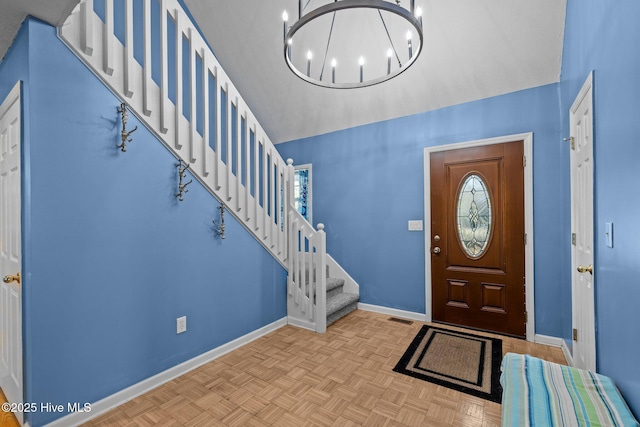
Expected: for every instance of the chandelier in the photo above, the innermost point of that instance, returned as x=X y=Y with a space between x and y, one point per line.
x=348 y=44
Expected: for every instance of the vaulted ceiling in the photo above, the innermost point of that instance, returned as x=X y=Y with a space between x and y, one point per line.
x=473 y=49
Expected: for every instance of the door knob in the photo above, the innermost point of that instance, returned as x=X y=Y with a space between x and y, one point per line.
x=436 y=250
x=10 y=278
x=583 y=269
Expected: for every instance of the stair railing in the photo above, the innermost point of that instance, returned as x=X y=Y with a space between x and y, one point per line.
x=180 y=92
x=307 y=278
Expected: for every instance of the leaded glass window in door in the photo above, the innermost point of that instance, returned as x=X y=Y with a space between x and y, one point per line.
x=474 y=215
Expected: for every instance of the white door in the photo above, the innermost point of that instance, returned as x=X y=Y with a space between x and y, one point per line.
x=10 y=250
x=584 y=337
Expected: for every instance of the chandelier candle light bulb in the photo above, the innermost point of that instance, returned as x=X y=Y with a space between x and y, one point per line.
x=333 y=70
x=419 y=15
x=309 y=56
x=409 y=44
x=285 y=18
x=389 y=55
x=361 y=62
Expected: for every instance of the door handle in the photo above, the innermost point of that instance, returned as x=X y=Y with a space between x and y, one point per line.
x=10 y=278
x=436 y=250
x=583 y=269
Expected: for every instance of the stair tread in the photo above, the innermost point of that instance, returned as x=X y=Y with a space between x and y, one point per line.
x=332 y=283
x=340 y=301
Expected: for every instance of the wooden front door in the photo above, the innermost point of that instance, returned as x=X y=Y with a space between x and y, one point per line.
x=478 y=237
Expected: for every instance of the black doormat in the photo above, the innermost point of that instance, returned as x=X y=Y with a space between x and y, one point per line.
x=461 y=361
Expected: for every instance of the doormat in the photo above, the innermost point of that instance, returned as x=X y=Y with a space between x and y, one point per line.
x=457 y=360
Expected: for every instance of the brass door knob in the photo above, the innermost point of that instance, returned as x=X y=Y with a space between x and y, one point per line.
x=436 y=250
x=10 y=278
x=583 y=269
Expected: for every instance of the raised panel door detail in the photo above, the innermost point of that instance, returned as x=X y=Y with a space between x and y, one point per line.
x=458 y=294
x=493 y=298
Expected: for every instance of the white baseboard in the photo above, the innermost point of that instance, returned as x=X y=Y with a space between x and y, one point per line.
x=556 y=342
x=567 y=353
x=392 y=312
x=301 y=324
x=547 y=340
x=123 y=396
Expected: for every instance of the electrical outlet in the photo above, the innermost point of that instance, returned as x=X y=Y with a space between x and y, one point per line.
x=181 y=324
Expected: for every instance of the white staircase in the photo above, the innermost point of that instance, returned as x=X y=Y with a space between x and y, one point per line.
x=241 y=168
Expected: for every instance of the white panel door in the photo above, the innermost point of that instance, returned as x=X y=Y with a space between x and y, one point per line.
x=584 y=343
x=10 y=250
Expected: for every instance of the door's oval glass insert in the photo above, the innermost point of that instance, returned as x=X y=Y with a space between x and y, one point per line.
x=474 y=215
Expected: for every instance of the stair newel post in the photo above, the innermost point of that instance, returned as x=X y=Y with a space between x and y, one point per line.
x=321 y=279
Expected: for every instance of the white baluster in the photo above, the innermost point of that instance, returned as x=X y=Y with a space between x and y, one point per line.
x=218 y=154
x=164 y=69
x=179 y=81
x=147 y=67
x=128 y=48
x=230 y=104
x=193 y=122
x=107 y=38
x=205 y=113
x=86 y=27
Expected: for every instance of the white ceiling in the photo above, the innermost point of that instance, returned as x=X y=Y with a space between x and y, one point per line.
x=472 y=50
x=13 y=12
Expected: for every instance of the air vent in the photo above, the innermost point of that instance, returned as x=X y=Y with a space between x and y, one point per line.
x=403 y=321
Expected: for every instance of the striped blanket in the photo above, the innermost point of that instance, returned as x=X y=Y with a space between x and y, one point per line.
x=539 y=393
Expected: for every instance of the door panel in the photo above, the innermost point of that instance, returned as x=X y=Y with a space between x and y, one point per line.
x=584 y=352
x=481 y=286
x=10 y=250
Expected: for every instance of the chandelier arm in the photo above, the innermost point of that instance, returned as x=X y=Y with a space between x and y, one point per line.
x=324 y=60
x=389 y=36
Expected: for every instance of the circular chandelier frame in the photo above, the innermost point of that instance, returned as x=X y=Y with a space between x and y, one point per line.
x=339 y=5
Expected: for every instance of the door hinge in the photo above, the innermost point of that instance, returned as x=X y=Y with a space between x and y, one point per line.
x=573 y=239
x=575 y=334
x=526 y=317
x=525 y=238
x=524 y=161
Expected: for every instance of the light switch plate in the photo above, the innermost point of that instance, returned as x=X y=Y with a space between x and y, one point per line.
x=415 y=225
x=608 y=232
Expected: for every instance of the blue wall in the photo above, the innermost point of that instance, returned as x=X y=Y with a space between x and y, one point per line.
x=111 y=258
x=368 y=181
x=603 y=36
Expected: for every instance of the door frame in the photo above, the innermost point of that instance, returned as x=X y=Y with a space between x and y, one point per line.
x=586 y=89
x=528 y=218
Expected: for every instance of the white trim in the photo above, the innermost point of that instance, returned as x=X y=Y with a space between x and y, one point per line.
x=392 y=311
x=301 y=323
x=528 y=218
x=586 y=86
x=547 y=340
x=129 y=393
x=11 y=98
x=555 y=342
x=336 y=271
x=567 y=353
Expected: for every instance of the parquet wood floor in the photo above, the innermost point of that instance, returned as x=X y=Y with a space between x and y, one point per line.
x=293 y=377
